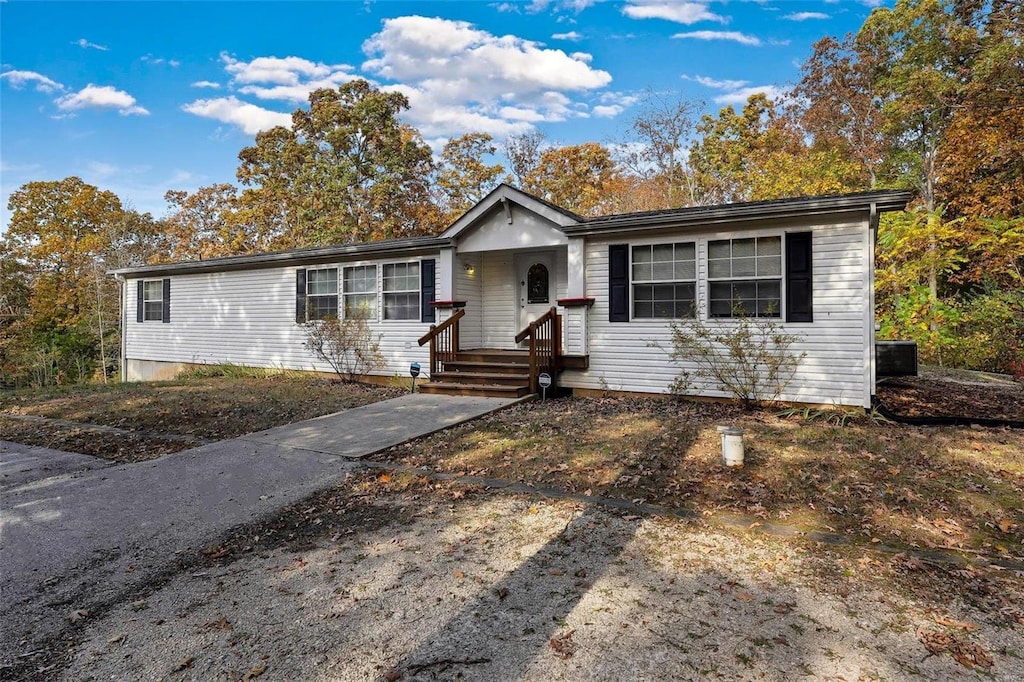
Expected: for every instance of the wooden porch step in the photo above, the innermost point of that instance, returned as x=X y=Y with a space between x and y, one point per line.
x=517 y=379
x=490 y=355
x=486 y=390
x=487 y=367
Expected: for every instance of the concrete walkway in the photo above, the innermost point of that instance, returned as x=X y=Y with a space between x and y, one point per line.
x=87 y=536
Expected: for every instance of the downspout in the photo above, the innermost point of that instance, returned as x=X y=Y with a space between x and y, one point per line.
x=124 y=329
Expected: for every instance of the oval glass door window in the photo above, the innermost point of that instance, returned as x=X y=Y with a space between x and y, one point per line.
x=537 y=284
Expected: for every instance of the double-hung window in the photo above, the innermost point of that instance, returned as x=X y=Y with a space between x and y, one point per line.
x=153 y=301
x=402 y=291
x=664 y=280
x=745 y=277
x=322 y=293
x=360 y=292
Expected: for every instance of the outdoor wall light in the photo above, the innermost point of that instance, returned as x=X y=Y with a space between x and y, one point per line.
x=469 y=268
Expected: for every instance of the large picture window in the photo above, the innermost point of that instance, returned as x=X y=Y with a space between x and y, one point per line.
x=745 y=275
x=402 y=291
x=359 y=288
x=322 y=293
x=664 y=280
x=153 y=301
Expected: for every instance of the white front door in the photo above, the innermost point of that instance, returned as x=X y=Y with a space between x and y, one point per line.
x=535 y=285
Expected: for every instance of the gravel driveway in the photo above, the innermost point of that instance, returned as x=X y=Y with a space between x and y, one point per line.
x=425 y=584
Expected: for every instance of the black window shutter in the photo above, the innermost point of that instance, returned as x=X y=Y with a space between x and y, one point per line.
x=618 y=283
x=140 y=303
x=300 y=295
x=426 y=290
x=165 y=313
x=799 y=279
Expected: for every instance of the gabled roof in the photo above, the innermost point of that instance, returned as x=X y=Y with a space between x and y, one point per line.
x=504 y=193
x=875 y=202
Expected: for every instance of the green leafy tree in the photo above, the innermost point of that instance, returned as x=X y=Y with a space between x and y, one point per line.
x=347 y=170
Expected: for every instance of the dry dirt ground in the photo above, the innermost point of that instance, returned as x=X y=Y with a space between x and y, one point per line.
x=940 y=392
x=391 y=577
x=191 y=410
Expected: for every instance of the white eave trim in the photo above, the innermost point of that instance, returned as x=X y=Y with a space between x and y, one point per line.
x=503 y=195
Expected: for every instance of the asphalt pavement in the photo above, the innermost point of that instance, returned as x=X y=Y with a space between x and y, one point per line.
x=78 y=533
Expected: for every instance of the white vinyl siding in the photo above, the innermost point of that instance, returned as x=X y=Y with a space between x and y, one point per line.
x=247 y=317
x=468 y=275
x=633 y=356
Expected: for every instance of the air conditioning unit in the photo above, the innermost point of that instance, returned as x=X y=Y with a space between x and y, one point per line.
x=896 y=358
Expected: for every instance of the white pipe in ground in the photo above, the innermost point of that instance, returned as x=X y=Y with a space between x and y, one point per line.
x=732 y=445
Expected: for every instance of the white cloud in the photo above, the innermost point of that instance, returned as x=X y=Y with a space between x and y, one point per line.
x=735 y=36
x=741 y=96
x=571 y=36
x=249 y=117
x=613 y=103
x=19 y=79
x=804 y=16
x=460 y=78
x=206 y=84
x=86 y=45
x=576 y=6
x=285 y=78
x=96 y=96
x=714 y=83
x=679 y=12
x=103 y=170
x=174 y=63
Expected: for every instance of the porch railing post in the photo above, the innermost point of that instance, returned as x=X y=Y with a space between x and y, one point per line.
x=433 y=350
x=533 y=357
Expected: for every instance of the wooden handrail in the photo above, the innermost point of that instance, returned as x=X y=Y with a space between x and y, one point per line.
x=545 y=334
x=444 y=340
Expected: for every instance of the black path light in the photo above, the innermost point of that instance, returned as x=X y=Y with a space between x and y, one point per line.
x=414 y=371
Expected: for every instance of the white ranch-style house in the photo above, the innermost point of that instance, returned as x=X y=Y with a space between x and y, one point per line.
x=518 y=286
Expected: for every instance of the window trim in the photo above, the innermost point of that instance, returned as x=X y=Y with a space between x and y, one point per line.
x=633 y=283
x=418 y=291
x=343 y=294
x=780 y=278
x=159 y=285
x=309 y=297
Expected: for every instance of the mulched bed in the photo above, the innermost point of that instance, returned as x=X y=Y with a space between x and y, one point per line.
x=937 y=393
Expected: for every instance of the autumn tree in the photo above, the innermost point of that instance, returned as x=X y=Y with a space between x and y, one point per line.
x=59 y=234
x=207 y=223
x=463 y=175
x=656 y=151
x=838 y=102
x=523 y=153
x=579 y=177
x=761 y=153
x=347 y=170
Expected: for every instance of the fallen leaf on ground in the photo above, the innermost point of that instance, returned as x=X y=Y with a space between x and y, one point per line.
x=78 y=615
x=184 y=663
x=563 y=646
x=255 y=672
x=967 y=654
x=959 y=625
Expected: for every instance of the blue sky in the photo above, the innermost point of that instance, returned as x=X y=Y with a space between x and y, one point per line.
x=142 y=97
